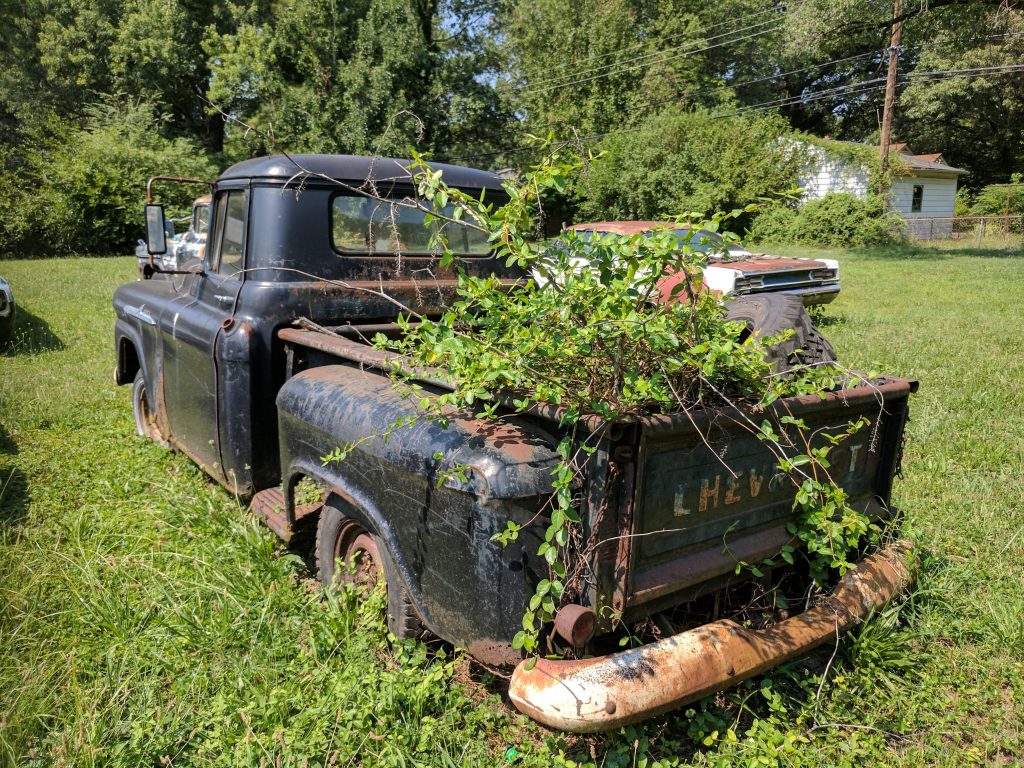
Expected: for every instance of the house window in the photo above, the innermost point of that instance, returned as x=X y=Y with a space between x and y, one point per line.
x=915 y=202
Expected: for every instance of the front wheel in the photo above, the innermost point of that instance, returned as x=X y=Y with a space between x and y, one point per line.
x=346 y=551
x=767 y=315
x=145 y=417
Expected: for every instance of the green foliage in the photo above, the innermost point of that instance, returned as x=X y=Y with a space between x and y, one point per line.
x=879 y=653
x=1001 y=200
x=688 y=162
x=836 y=220
x=378 y=77
x=774 y=224
x=593 y=66
x=593 y=335
x=82 y=187
x=962 y=202
x=829 y=528
x=974 y=121
x=210 y=615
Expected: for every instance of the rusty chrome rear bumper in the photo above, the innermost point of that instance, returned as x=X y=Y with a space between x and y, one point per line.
x=609 y=691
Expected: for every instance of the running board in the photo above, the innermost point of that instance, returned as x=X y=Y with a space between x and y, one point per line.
x=269 y=506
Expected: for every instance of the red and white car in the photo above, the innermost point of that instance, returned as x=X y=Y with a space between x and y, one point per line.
x=737 y=271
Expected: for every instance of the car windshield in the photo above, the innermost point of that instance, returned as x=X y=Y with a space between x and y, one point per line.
x=701 y=241
x=366 y=225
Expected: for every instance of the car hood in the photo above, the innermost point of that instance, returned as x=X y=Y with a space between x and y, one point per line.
x=764 y=263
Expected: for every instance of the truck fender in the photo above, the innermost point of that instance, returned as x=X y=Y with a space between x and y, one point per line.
x=127 y=343
x=348 y=496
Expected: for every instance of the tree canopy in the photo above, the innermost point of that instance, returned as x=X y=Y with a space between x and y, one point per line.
x=471 y=80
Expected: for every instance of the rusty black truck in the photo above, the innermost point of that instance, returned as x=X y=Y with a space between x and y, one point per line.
x=256 y=364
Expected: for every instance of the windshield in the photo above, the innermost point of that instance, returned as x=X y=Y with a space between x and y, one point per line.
x=365 y=225
x=701 y=241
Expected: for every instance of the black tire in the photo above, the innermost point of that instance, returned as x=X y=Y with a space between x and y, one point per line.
x=145 y=417
x=770 y=314
x=338 y=534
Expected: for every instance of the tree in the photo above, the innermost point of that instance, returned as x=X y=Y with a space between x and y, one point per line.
x=80 y=189
x=74 y=51
x=973 y=119
x=677 y=162
x=383 y=75
x=596 y=65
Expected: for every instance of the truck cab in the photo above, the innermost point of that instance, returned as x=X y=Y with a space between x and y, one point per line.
x=289 y=238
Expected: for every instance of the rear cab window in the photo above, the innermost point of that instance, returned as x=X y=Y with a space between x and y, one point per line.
x=363 y=225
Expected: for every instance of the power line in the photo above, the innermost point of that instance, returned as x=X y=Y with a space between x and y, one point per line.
x=942 y=74
x=780 y=75
x=637 y=63
x=643 y=44
x=723 y=86
x=969 y=70
x=742 y=83
x=847 y=91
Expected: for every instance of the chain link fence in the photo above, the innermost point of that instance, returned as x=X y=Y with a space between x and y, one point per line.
x=1004 y=230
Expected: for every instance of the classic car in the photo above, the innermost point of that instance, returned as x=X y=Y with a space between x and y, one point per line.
x=734 y=270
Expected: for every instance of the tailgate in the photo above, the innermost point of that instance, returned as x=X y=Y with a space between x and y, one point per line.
x=709 y=493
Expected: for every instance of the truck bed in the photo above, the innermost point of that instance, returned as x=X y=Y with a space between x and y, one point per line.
x=670 y=504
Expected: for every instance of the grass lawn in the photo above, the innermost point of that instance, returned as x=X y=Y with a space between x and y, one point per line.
x=146 y=620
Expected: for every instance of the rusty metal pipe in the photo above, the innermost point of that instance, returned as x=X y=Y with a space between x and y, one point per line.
x=610 y=691
x=575 y=624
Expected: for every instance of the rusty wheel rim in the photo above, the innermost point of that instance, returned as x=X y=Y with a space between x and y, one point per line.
x=356 y=546
x=147 y=417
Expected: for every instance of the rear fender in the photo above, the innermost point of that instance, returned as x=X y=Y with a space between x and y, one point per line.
x=349 y=497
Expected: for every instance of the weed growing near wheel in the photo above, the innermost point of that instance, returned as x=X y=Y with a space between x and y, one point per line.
x=596 y=334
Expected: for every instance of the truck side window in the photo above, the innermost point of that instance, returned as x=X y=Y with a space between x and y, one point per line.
x=227 y=260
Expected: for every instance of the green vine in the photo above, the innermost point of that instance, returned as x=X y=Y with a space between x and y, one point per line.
x=595 y=335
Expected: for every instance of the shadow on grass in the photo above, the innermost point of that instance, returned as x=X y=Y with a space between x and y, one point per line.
x=31 y=334
x=13 y=485
x=923 y=252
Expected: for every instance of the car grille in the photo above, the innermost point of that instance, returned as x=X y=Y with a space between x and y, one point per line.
x=756 y=282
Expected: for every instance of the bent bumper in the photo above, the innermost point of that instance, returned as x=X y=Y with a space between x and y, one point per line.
x=814 y=296
x=810 y=296
x=609 y=691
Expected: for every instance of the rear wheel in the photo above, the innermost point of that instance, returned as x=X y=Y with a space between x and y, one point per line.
x=769 y=315
x=145 y=417
x=340 y=541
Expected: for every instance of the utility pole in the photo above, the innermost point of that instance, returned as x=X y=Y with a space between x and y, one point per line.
x=890 y=84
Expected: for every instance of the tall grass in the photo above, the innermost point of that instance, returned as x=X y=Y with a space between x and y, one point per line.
x=146 y=620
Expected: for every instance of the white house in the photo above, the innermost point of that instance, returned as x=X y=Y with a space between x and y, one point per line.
x=924 y=195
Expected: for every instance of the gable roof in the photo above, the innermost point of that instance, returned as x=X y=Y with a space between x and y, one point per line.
x=932 y=162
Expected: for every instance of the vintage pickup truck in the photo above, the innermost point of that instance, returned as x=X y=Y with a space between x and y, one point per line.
x=256 y=365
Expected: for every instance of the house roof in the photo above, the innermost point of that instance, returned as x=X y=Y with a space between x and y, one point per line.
x=928 y=162
x=923 y=163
